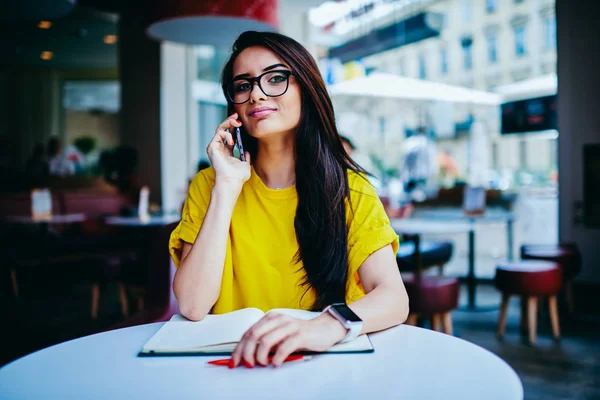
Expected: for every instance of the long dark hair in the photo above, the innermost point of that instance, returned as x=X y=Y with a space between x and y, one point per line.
x=321 y=170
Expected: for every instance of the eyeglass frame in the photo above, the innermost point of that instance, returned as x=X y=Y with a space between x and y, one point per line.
x=256 y=80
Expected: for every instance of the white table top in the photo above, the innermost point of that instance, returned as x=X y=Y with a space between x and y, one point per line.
x=452 y=214
x=135 y=221
x=408 y=363
x=54 y=219
x=417 y=226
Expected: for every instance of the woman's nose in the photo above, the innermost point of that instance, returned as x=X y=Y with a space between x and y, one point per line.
x=256 y=93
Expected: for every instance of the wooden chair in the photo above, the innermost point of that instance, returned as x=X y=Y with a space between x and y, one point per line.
x=160 y=301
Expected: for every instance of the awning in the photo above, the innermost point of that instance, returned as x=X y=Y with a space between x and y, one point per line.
x=393 y=86
x=541 y=86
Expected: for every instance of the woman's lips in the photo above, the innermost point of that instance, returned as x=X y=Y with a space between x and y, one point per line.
x=261 y=113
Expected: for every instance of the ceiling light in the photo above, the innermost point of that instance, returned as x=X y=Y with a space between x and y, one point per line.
x=110 y=39
x=45 y=25
x=46 y=55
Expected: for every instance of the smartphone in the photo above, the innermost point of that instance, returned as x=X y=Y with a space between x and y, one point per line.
x=240 y=146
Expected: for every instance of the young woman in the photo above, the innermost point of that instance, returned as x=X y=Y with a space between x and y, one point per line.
x=297 y=225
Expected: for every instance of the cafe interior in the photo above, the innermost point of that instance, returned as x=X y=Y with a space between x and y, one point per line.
x=106 y=109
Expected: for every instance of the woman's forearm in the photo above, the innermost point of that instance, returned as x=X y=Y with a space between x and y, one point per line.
x=197 y=282
x=383 y=307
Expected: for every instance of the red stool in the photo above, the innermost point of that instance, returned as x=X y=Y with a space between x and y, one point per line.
x=529 y=280
x=434 y=297
x=567 y=255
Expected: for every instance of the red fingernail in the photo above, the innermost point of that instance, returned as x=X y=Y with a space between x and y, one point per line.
x=238 y=121
x=248 y=365
x=231 y=364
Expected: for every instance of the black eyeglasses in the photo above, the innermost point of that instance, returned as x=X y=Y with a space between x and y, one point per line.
x=272 y=84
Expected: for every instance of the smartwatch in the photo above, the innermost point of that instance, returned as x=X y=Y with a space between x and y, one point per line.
x=347 y=318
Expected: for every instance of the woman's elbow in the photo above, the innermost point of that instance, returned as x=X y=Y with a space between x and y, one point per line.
x=193 y=313
x=403 y=309
x=192 y=308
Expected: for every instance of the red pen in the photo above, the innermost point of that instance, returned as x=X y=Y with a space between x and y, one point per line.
x=228 y=362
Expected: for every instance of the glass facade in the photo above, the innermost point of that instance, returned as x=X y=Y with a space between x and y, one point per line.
x=212 y=109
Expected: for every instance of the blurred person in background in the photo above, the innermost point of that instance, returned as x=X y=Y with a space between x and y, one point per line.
x=419 y=165
x=37 y=166
x=362 y=160
x=58 y=164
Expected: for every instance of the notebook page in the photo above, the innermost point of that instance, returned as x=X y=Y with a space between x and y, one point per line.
x=180 y=334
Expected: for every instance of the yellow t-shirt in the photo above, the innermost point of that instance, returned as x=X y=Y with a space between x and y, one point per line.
x=259 y=268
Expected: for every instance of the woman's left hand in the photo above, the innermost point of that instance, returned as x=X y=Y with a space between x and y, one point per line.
x=282 y=335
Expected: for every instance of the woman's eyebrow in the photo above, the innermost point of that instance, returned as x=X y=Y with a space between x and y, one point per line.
x=264 y=70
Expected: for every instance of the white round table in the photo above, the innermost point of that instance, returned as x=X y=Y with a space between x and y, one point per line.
x=408 y=363
x=417 y=226
x=136 y=221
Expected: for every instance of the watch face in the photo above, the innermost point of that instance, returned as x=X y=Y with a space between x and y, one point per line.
x=346 y=312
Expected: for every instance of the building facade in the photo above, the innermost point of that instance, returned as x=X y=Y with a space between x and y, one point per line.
x=481 y=44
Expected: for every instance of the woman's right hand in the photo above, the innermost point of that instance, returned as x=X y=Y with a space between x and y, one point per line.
x=230 y=172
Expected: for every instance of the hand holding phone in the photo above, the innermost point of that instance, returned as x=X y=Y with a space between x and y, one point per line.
x=239 y=143
x=220 y=151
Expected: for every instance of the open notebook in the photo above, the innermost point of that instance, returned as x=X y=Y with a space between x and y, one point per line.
x=219 y=334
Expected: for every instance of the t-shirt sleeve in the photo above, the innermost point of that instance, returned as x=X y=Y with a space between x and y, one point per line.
x=192 y=215
x=369 y=230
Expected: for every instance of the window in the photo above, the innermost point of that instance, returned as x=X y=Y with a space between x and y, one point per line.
x=444 y=61
x=520 y=48
x=382 y=125
x=467 y=10
x=495 y=155
x=550 y=32
x=490 y=5
x=492 y=49
x=401 y=66
x=422 y=69
x=467 y=47
x=522 y=154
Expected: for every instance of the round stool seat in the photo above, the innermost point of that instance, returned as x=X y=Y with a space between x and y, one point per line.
x=567 y=255
x=528 y=278
x=433 y=253
x=431 y=294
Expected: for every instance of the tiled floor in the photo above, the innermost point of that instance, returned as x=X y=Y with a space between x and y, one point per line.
x=569 y=369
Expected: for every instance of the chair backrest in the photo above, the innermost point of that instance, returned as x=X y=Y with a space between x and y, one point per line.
x=160 y=301
x=19 y=204
x=161 y=271
x=93 y=204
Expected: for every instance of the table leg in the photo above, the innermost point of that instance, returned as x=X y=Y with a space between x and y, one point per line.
x=472 y=279
x=471 y=284
x=510 y=238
